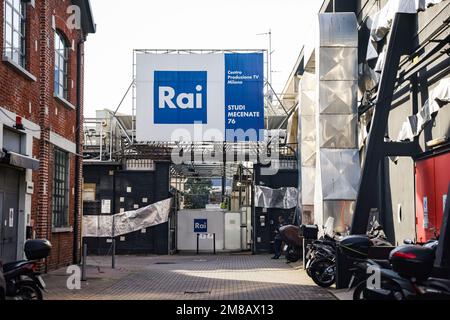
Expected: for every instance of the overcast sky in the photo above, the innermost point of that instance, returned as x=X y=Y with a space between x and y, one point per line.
x=187 y=24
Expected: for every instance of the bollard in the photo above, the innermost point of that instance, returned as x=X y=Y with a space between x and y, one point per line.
x=83 y=269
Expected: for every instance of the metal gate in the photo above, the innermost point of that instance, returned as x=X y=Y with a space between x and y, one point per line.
x=9 y=207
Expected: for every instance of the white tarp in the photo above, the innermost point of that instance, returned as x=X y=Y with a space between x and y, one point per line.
x=415 y=124
x=283 y=198
x=381 y=23
x=127 y=222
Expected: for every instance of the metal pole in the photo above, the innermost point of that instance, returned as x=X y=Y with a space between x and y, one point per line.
x=110 y=137
x=253 y=211
x=169 y=236
x=214 y=240
x=240 y=186
x=113 y=261
x=133 y=99
x=198 y=243
x=83 y=268
x=224 y=173
x=304 y=254
x=270 y=56
x=101 y=141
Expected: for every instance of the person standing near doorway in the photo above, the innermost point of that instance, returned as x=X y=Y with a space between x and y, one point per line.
x=278 y=240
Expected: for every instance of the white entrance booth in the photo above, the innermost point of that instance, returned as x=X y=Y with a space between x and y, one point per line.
x=225 y=225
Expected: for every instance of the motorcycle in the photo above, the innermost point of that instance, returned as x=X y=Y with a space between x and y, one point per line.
x=321 y=257
x=322 y=266
x=315 y=251
x=409 y=278
x=290 y=235
x=362 y=268
x=23 y=281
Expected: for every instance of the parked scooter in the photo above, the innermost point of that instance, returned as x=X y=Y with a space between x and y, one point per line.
x=290 y=235
x=321 y=257
x=322 y=266
x=409 y=278
x=23 y=281
x=361 y=272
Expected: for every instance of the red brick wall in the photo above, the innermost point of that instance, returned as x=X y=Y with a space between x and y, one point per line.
x=16 y=94
x=16 y=91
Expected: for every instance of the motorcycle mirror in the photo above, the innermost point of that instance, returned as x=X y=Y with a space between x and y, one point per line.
x=408 y=242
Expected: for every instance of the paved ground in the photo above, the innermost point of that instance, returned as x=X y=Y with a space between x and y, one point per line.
x=222 y=277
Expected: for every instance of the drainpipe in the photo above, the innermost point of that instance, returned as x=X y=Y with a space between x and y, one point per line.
x=78 y=157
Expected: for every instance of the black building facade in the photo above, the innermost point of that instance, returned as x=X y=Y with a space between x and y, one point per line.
x=128 y=190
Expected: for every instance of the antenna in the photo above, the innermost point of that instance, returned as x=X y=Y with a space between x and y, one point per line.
x=269 y=56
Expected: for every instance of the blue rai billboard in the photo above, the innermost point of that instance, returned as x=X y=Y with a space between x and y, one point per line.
x=202 y=97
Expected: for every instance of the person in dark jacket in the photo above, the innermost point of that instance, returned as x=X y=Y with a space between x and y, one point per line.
x=278 y=241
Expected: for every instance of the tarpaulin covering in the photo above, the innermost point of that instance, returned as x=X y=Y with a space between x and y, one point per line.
x=127 y=222
x=381 y=23
x=415 y=124
x=283 y=198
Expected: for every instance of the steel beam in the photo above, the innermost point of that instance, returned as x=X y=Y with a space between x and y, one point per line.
x=400 y=41
x=401 y=149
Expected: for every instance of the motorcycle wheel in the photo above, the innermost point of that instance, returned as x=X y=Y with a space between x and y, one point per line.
x=358 y=294
x=308 y=267
x=395 y=290
x=28 y=290
x=320 y=273
x=292 y=255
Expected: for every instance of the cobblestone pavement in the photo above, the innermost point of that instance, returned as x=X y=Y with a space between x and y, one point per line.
x=222 y=277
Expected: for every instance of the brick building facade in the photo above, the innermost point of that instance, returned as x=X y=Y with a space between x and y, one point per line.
x=41 y=81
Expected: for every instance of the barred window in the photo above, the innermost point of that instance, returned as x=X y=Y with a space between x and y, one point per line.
x=61 y=65
x=14 y=31
x=61 y=189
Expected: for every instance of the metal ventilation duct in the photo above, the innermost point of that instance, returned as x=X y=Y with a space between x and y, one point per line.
x=307 y=134
x=337 y=165
x=307 y=144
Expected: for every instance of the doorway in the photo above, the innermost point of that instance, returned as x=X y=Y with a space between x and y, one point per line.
x=9 y=213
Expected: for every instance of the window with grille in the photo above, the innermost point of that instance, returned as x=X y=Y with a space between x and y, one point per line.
x=14 y=31
x=61 y=189
x=61 y=65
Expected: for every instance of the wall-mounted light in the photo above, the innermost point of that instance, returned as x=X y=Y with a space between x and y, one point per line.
x=19 y=123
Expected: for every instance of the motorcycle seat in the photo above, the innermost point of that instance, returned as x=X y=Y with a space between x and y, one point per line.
x=385 y=264
x=8 y=267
